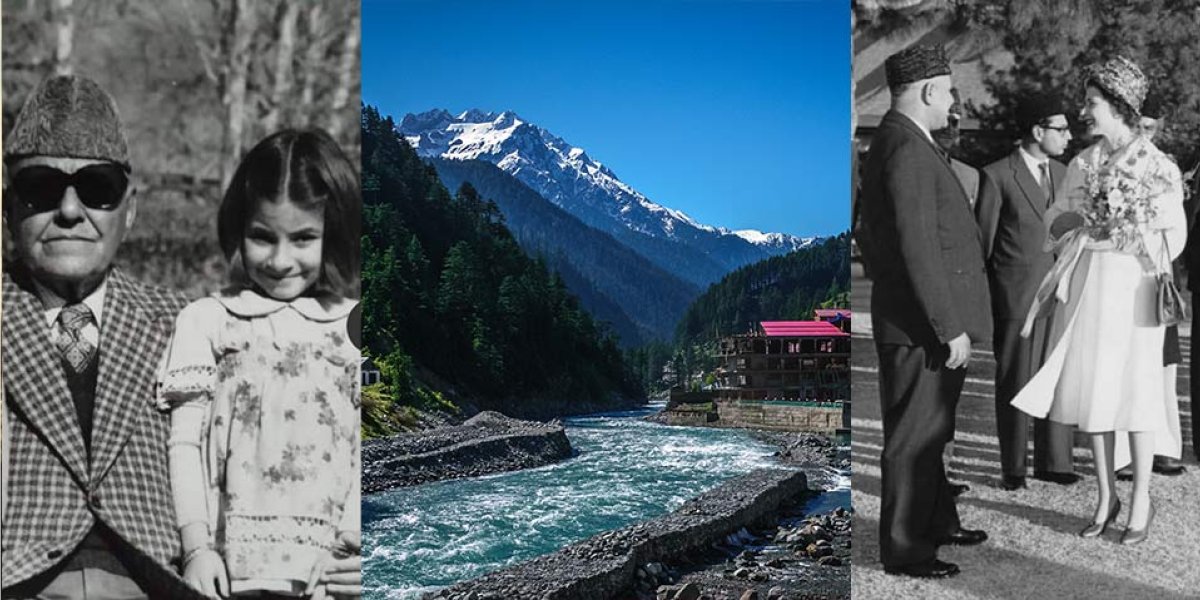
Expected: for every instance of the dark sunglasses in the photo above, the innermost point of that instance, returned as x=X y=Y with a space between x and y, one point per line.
x=99 y=187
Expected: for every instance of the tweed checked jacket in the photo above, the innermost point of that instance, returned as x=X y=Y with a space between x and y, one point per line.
x=55 y=494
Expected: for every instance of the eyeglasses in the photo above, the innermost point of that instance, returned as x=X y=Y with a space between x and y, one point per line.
x=1059 y=128
x=99 y=187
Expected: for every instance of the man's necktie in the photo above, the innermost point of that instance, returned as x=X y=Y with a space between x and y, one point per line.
x=76 y=351
x=1047 y=184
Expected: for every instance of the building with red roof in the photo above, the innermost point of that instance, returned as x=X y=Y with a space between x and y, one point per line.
x=786 y=360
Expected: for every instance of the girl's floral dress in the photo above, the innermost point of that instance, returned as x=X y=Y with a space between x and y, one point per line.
x=280 y=383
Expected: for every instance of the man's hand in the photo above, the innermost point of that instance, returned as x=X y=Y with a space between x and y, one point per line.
x=206 y=572
x=960 y=352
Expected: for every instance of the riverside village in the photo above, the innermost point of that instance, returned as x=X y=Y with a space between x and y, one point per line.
x=755 y=535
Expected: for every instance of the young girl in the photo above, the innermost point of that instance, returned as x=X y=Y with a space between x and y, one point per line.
x=262 y=380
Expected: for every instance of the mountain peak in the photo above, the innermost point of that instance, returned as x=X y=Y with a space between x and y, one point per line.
x=475 y=115
x=567 y=176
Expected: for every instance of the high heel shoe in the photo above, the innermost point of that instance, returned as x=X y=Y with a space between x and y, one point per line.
x=1136 y=536
x=1095 y=529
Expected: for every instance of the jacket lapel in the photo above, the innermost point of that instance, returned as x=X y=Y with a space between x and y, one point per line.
x=125 y=372
x=912 y=129
x=34 y=380
x=1033 y=192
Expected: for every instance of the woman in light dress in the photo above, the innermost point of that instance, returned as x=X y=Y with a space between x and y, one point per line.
x=1118 y=221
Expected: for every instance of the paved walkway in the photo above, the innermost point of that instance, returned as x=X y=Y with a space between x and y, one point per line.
x=1033 y=551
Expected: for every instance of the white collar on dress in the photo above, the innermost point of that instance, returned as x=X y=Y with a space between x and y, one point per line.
x=248 y=303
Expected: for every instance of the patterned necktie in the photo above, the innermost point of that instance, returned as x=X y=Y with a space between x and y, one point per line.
x=76 y=351
x=1047 y=184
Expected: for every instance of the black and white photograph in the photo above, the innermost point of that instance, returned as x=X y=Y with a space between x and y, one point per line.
x=1025 y=191
x=181 y=370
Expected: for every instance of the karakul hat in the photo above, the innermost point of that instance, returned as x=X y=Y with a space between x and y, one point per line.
x=917 y=62
x=1121 y=78
x=68 y=116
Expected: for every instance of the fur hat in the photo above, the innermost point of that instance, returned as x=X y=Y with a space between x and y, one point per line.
x=68 y=116
x=1121 y=78
x=917 y=62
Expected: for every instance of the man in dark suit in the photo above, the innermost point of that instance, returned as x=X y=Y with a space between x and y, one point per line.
x=1018 y=189
x=928 y=304
x=947 y=138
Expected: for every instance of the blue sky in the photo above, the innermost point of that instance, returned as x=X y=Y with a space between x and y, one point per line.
x=735 y=112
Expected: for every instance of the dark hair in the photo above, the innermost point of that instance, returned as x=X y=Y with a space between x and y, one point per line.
x=1128 y=115
x=308 y=168
x=1034 y=110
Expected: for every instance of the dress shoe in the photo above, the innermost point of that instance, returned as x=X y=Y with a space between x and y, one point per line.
x=1136 y=536
x=958 y=489
x=964 y=537
x=1053 y=477
x=1012 y=482
x=1166 y=465
x=1125 y=473
x=931 y=569
x=1095 y=529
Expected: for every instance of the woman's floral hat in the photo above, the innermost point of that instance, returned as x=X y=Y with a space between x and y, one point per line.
x=1121 y=78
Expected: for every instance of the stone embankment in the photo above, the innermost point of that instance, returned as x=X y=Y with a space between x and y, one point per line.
x=802 y=556
x=608 y=565
x=487 y=443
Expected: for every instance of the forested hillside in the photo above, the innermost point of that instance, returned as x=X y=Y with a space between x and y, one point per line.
x=787 y=287
x=455 y=314
x=641 y=301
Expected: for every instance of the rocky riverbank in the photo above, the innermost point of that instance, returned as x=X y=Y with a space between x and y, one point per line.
x=487 y=443
x=799 y=555
x=608 y=565
x=808 y=450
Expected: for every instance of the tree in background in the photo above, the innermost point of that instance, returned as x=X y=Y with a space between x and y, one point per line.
x=1051 y=43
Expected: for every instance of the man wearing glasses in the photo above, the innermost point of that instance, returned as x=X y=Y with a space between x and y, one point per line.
x=1017 y=189
x=88 y=511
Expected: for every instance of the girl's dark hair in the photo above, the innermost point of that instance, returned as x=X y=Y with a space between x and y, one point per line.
x=1128 y=116
x=308 y=168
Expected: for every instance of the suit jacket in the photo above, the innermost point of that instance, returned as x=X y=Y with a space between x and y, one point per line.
x=968 y=176
x=55 y=493
x=1010 y=211
x=921 y=242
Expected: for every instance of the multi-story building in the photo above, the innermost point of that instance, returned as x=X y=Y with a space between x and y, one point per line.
x=786 y=360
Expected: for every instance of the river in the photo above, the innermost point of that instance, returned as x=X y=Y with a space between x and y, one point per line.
x=419 y=539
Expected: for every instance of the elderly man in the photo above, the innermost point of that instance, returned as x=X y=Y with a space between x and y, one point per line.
x=1018 y=189
x=928 y=304
x=89 y=512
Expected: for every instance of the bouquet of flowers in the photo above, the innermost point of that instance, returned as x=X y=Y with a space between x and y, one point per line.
x=1119 y=201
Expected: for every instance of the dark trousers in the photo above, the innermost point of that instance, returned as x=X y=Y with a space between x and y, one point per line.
x=1017 y=359
x=919 y=397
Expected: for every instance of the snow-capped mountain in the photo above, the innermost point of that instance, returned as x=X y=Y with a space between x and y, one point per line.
x=568 y=177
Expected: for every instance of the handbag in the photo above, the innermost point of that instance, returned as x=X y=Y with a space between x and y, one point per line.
x=1170 y=307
